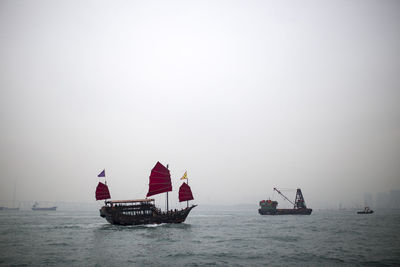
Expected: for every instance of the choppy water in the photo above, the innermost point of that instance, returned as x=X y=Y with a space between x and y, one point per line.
x=241 y=238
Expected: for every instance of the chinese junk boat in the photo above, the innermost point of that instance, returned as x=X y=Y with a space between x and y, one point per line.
x=268 y=207
x=144 y=211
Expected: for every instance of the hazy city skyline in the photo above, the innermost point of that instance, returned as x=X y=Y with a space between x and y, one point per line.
x=244 y=95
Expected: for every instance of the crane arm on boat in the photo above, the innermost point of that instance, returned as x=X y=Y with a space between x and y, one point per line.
x=279 y=192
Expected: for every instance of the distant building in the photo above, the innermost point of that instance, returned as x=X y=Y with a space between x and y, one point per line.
x=394 y=199
x=383 y=200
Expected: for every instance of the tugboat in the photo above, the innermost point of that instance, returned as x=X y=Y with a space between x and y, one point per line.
x=268 y=207
x=144 y=211
x=366 y=210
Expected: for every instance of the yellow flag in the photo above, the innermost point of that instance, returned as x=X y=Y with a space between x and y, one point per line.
x=184 y=176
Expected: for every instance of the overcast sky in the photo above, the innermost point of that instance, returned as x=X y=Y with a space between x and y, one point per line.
x=244 y=95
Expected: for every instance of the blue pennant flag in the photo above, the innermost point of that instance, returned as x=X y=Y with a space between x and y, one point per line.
x=102 y=174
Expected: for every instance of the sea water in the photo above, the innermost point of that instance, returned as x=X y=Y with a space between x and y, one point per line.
x=224 y=238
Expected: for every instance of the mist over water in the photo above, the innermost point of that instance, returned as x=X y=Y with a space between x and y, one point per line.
x=244 y=95
x=234 y=238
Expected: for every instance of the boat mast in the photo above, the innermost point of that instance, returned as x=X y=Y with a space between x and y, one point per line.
x=103 y=174
x=167 y=191
x=187 y=201
x=279 y=192
x=105 y=182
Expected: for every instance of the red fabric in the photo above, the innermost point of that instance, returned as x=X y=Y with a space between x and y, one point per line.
x=102 y=192
x=160 y=180
x=185 y=193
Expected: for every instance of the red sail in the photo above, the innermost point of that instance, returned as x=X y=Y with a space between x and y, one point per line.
x=160 y=180
x=185 y=193
x=102 y=192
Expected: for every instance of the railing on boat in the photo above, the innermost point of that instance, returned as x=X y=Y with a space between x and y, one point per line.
x=132 y=201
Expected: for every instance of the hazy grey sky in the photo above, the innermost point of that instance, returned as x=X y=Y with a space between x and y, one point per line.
x=245 y=95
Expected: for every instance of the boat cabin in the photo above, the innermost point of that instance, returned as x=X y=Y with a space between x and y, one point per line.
x=133 y=207
x=134 y=202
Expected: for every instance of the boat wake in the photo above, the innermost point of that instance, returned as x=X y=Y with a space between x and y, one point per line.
x=153 y=225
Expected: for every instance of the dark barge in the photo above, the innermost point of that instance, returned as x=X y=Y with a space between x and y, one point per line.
x=268 y=207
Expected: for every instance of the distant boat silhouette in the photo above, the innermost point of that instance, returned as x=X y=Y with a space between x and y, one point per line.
x=7 y=208
x=37 y=208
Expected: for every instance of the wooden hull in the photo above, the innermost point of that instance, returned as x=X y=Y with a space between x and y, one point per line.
x=118 y=216
x=285 y=212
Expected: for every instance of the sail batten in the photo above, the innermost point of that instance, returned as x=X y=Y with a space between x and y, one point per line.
x=185 y=193
x=159 y=180
x=102 y=192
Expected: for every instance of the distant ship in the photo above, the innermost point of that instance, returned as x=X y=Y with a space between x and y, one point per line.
x=13 y=208
x=268 y=207
x=366 y=210
x=7 y=208
x=144 y=211
x=36 y=207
